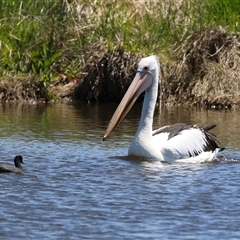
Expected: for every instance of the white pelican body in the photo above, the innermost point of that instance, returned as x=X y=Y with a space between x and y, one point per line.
x=178 y=142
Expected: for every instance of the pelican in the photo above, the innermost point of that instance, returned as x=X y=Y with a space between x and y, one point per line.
x=178 y=142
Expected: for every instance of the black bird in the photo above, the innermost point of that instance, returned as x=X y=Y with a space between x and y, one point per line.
x=5 y=168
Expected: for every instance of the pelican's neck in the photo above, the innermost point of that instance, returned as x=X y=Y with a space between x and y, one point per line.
x=146 y=120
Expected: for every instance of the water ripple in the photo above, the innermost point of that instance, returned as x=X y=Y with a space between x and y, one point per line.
x=74 y=186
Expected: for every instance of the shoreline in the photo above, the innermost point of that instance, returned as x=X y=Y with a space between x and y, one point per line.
x=204 y=71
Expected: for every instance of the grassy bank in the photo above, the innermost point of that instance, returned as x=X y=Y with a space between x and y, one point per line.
x=43 y=39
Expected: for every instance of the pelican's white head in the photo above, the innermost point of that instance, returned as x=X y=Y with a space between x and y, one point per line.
x=149 y=64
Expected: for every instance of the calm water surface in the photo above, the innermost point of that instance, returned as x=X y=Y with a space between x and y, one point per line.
x=75 y=186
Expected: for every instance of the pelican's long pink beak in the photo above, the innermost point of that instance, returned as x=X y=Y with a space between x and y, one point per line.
x=140 y=83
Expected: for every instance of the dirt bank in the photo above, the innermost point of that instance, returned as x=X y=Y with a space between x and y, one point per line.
x=204 y=70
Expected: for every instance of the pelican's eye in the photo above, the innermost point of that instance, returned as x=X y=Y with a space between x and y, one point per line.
x=146 y=68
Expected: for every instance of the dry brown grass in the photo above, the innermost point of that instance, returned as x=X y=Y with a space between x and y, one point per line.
x=207 y=70
x=107 y=74
x=23 y=89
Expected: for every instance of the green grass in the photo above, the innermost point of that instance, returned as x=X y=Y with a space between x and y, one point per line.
x=44 y=38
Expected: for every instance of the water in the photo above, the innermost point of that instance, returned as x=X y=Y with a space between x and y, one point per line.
x=75 y=186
